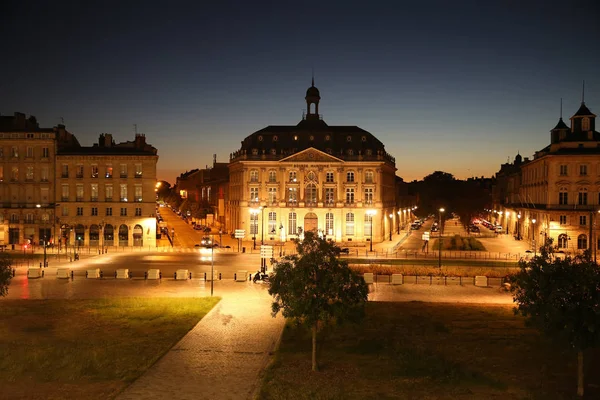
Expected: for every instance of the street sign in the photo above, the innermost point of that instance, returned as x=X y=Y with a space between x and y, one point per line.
x=266 y=251
x=239 y=233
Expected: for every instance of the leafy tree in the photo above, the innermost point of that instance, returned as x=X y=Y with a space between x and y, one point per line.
x=5 y=273
x=561 y=297
x=315 y=287
x=163 y=190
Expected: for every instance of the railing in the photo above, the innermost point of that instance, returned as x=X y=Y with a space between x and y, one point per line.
x=80 y=199
x=79 y=176
x=93 y=198
x=64 y=198
x=64 y=175
x=138 y=175
x=108 y=199
x=137 y=200
x=123 y=175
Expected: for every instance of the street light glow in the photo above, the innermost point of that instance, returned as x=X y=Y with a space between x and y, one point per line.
x=442 y=210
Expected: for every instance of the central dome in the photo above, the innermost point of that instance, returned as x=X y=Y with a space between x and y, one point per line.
x=312 y=92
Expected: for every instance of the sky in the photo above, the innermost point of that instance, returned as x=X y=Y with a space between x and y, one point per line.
x=455 y=86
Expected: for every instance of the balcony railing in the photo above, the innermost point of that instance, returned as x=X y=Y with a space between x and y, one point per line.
x=94 y=198
x=79 y=176
x=123 y=175
x=108 y=175
x=64 y=175
x=138 y=174
x=64 y=198
x=137 y=199
x=94 y=175
x=108 y=199
x=78 y=198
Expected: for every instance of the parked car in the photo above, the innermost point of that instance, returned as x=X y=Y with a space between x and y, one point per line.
x=473 y=228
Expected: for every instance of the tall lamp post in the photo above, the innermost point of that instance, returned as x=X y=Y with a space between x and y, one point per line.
x=371 y=213
x=391 y=222
x=506 y=220
x=212 y=265
x=441 y=210
x=519 y=226
x=398 y=223
x=533 y=237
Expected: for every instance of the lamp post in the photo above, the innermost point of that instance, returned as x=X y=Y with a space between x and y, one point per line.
x=391 y=222
x=398 y=223
x=262 y=226
x=533 y=237
x=212 y=265
x=441 y=210
x=371 y=213
x=519 y=226
x=507 y=215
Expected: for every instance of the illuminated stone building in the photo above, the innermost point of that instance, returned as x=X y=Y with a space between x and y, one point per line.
x=105 y=193
x=557 y=193
x=336 y=180
x=27 y=154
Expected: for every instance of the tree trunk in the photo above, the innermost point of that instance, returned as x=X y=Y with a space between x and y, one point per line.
x=314 y=348
x=580 y=373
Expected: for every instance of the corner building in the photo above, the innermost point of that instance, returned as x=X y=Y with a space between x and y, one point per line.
x=335 y=180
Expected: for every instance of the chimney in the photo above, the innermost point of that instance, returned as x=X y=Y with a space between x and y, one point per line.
x=140 y=140
x=526 y=159
x=19 y=121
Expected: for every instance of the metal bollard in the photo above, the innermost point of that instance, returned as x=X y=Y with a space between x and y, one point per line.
x=40 y=264
x=14 y=272
x=205 y=277
x=160 y=275
x=235 y=277
x=219 y=276
x=145 y=275
x=101 y=274
x=174 y=275
x=190 y=275
x=115 y=274
x=73 y=275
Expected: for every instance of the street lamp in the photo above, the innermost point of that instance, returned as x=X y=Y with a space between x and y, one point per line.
x=441 y=210
x=262 y=226
x=212 y=264
x=398 y=223
x=391 y=221
x=371 y=213
x=519 y=226
x=507 y=215
x=533 y=237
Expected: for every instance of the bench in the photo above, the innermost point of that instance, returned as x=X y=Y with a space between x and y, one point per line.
x=122 y=273
x=397 y=279
x=368 y=277
x=181 y=275
x=241 y=276
x=35 y=272
x=153 y=274
x=93 y=273
x=63 y=273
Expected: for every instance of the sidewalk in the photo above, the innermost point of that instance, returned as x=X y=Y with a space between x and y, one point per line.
x=222 y=357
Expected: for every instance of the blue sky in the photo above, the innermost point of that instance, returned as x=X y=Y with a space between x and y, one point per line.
x=451 y=86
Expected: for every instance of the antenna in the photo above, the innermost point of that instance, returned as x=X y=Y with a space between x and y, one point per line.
x=62 y=120
x=313 y=76
x=135 y=128
x=561 y=108
x=583 y=92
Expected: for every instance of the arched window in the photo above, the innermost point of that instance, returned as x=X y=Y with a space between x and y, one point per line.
x=368 y=176
x=254 y=176
x=272 y=223
x=582 y=198
x=310 y=193
x=585 y=124
x=292 y=224
x=563 y=241
x=79 y=235
x=272 y=176
x=138 y=235
x=563 y=196
x=329 y=224
x=109 y=235
x=350 y=176
x=349 y=224
x=582 y=242
x=94 y=235
x=368 y=225
x=123 y=235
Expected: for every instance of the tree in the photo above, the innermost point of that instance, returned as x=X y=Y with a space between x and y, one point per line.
x=315 y=287
x=561 y=297
x=5 y=273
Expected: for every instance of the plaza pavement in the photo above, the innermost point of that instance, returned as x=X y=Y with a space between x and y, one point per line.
x=224 y=355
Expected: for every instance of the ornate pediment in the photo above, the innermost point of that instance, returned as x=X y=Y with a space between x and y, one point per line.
x=312 y=155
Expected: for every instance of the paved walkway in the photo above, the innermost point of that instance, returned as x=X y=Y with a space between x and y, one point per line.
x=221 y=358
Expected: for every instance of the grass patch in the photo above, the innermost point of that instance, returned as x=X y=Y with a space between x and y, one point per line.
x=426 y=351
x=93 y=347
x=458 y=243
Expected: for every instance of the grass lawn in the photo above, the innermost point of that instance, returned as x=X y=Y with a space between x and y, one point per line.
x=458 y=243
x=427 y=351
x=87 y=349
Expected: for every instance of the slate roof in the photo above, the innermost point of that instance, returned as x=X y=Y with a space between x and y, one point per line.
x=561 y=125
x=583 y=111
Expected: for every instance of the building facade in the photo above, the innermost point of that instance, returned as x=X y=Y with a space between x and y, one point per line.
x=556 y=194
x=27 y=179
x=105 y=194
x=336 y=180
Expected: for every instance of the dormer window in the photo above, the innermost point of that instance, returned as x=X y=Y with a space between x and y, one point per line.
x=585 y=124
x=254 y=152
x=350 y=152
x=275 y=138
x=311 y=138
x=295 y=137
x=364 y=138
x=327 y=138
x=348 y=138
x=260 y=138
x=273 y=152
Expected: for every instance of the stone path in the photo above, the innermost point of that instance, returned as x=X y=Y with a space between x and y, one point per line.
x=220 y=358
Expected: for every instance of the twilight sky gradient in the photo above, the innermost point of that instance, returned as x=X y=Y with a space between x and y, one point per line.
x=456 y=86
